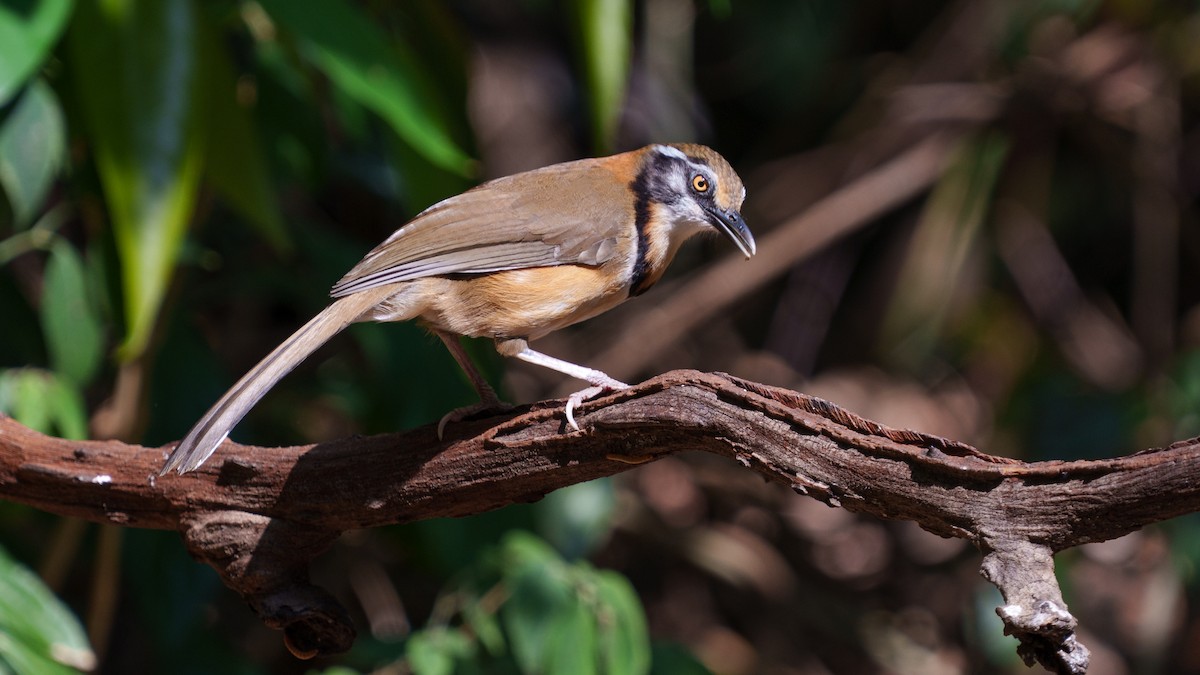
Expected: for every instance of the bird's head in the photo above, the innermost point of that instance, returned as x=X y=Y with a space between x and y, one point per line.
x=699 y=191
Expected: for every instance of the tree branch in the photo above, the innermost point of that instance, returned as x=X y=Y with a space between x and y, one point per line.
x=259 y=515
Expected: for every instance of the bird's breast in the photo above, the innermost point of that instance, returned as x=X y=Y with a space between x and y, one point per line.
x=526 y=303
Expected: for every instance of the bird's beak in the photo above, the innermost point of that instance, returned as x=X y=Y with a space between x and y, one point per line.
x=731 y=223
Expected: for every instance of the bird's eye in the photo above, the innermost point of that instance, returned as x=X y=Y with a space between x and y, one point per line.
x=700 y=183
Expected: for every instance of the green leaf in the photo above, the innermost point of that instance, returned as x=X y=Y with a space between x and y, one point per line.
x=606 y=28
x=539 y=597
x=32 y=144
x=235 y=164
x=550 y=628
x=74 y=336
x=486 y=626
x=553 y=617
x=624 y=647
x=28 y=31
x=38 y=634
x=571 y=643
x=138 y=75
x=523 y=549
x=356 y=55
x=425 y=657
x=21 y=399
x=435 y=651
x=43 y=402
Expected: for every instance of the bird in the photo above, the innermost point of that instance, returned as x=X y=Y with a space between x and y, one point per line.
x=513 y=259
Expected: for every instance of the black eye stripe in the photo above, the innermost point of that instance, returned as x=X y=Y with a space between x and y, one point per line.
x=665 y=175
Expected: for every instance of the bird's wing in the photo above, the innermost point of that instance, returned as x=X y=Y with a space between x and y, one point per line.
x=572 y=213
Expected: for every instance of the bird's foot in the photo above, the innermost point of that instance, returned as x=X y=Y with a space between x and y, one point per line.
x=598 y=387
x=460 y=414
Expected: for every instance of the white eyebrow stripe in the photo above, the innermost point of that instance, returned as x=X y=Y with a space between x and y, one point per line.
x=670 y=152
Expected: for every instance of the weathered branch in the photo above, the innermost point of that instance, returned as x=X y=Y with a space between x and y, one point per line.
x=258 y=515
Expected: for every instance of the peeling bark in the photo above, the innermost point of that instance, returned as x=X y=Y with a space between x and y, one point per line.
x=259 y=515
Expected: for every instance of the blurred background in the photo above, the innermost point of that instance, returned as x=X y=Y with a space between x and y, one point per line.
x=975 y=219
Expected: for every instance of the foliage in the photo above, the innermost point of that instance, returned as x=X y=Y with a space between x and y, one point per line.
x=522 y=608
x=38 y=634
x=181 y=181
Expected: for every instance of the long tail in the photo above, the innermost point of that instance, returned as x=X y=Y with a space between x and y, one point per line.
x=216 y=424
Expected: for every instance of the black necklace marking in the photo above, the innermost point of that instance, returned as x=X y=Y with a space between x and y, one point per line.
x=649 y=187
x=641 y=218
x=653 y=186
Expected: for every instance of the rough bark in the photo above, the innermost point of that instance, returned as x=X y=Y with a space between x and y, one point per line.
x=259 y=515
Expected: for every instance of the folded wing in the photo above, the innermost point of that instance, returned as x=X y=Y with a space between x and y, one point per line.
x=551 y=216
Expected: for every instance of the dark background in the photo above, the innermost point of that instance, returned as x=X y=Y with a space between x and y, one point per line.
x=182 y=182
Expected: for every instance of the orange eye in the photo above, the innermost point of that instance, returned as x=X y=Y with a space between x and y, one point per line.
x=700 y=183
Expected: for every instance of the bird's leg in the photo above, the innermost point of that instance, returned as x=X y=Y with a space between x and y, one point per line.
x=600 y=381
x=488 y=400
x=485 y=391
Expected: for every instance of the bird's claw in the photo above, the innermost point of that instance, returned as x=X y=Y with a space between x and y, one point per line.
x=577 y=399
x=460 y=414
x=573 y=402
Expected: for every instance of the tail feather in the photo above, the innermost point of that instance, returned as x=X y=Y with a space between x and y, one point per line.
x=214 y=427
